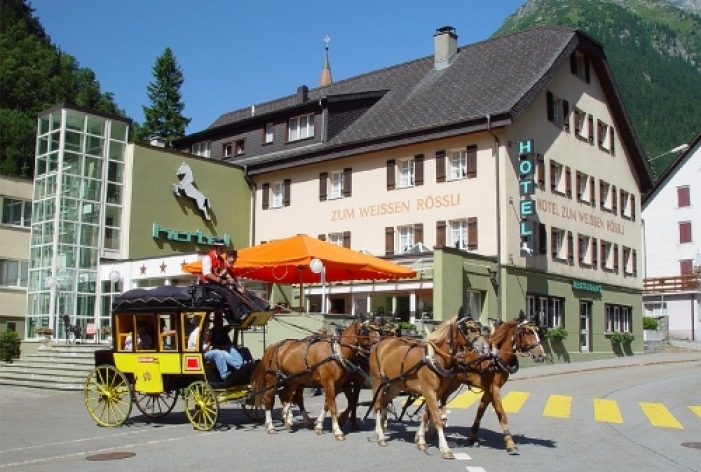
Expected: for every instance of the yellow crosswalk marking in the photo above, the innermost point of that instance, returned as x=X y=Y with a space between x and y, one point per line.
x=606 y=411
x=465 y=400
x=558 y=406
x=513 y=401
x=697 y=410
x=659 y=415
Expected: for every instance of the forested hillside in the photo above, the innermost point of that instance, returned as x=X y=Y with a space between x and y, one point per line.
x=654 y=49
x=35 y=75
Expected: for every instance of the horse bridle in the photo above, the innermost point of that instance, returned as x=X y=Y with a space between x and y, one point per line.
x=526 y=326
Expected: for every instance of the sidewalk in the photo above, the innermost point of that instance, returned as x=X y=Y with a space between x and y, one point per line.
x=678 y=351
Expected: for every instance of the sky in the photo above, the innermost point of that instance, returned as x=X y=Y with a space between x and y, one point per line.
x=238 y=53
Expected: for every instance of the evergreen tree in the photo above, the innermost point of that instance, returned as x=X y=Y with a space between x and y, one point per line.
x=164 y=117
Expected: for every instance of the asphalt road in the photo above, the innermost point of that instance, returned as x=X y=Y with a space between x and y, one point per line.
x=553 y=416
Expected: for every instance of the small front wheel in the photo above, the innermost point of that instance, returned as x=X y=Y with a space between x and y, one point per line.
x=107 y=396
x=253 y=411
x=201 y=406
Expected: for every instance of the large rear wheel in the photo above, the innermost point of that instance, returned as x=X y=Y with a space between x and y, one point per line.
x=107 y=396
x=201 y=406
x=155 y=405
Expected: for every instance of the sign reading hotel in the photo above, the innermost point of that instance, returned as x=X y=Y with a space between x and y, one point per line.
x=526 y=170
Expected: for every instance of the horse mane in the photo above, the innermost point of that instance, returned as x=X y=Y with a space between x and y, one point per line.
x=499 y=336
x=442 y=331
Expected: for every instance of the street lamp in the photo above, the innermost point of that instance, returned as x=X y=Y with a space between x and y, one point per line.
x=317 y=266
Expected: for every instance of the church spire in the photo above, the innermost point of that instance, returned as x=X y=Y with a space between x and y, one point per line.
x=326 y=70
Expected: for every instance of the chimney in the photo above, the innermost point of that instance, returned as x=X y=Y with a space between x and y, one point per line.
x=302 y=94
x=445 y=43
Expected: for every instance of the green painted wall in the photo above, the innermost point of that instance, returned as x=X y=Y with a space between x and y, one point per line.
x=153 y=201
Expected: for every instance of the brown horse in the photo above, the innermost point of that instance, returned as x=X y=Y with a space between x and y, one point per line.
x=290 y=365
x=517 y=337
x=422 y=368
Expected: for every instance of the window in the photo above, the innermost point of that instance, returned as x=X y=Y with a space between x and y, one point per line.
x=546 y=310
x=605 y=135
x=607 y=194
x=269 y=133
x=580 y=123
x=301 y=127
x=458 y=164
x=585 y=250
x=458 y=234
x=558 y=109
x=684 y=232
x=406 y=173
x=560 y=177
x=406 y=238
x=16 y=212
x=579 y=66
x=240 y=147
x=13 y=273
x=630 y=263
x=336 y=238
x=617 y=318
x=683 y=197
x=336 y=181
x=584 y=185
x=606 y=255
x=201 y=149
x=561 y=244
x=228 y=150
x=277 y=193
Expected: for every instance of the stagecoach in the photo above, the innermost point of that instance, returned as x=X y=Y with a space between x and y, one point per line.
x=152 y=375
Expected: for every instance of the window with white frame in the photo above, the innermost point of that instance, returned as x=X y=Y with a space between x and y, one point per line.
x=605 y=195
x=546 y=310
x=406 y=173
x=277 y=192
x=406 y=238
x=240 y=147
x=558 y=183
x=301 y=127
x=458 y=164
x=585 y=250
x=336 y=238
x=606 y=255
x=617 y=318
x=555 y=109
x=580 y=123
x=629 y=261
x=579 y=66
x=228 y=150
x=559 y=246
x=269 y=133
x=336 y=185
x=201 y=149
x=16 y=212
x=458 y=234
x=13 y=273
x=474 y=303
x=583 y=188
x=655 y=309
x=626 y=204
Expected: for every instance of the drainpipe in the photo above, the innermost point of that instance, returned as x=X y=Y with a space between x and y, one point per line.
x=252 y=221
x=693 y=320
x=495 y=155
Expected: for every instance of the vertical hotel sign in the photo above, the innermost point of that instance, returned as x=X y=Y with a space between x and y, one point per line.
x=526 y=170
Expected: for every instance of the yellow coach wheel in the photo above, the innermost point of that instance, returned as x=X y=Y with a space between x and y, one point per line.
x=107 y=396
x=201 y=406
x=155 y=405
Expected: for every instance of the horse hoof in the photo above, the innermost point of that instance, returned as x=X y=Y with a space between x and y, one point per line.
x=382 y=442
x=447 y=455
x=513 y=451
x=318 y=432
x=340 y=437
x=421 y=447
x=272 y=431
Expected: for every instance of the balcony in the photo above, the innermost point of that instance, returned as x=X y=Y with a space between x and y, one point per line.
x=676 y=283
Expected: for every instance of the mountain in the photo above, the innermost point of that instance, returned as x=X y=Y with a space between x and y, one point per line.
x=654 y=50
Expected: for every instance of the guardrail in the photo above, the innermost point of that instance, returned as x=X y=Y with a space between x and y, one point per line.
x=675 y=283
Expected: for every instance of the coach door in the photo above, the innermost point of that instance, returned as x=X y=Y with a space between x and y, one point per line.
x=584 y=326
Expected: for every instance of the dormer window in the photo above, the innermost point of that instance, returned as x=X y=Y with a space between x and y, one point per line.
x=301 y=127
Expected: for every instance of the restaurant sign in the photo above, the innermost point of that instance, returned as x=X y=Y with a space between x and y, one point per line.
x=586 y=286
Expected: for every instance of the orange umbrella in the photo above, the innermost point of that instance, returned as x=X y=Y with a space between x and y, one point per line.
x=287 y=261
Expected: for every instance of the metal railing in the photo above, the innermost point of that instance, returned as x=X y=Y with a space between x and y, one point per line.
x=674 y=283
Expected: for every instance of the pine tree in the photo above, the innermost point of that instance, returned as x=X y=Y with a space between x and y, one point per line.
x=164 y=119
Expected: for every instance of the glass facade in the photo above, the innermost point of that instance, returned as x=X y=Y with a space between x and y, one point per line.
x=78 y=189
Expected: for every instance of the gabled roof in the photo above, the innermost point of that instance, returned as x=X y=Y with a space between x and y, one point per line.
x=673 y=168
x=488 y=84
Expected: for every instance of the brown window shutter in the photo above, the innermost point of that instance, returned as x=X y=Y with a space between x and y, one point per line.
x=577 y=122
x=472 y=233
x=603 y=254
x=635 y=263
x=594 y=252
x=587 y=74
x=541 y=171
x=632 y=207
x=419 y=169
x=578 y=184
x=471 y=161
x=592 y=191
x=286 y=184
x=614 y=208
x=573 y=63
x=266 y=196
x=347 y=182
x=440 y=166
x=323 y=183
x=347 y=239
x=440 y=233
x=322 y=237
x=612 y=141
x=418 y=233
x=549 y=105
x=615 y=257
x=568 y=181
x=580 y=240
x=570 y=246
x=602 y=195
x=683 y=197
x=389 y=241
x=590 y=120
x=566 y=115
x=390 y=174
x=542 y=239
x=553 y=245
x=552 y=177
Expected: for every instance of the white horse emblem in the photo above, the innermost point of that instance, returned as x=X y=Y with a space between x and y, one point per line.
x=186 y=185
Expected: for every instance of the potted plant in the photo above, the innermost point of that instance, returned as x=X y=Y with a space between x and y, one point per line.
x=9 y=345
x=106 y=331
x=46 y=331
x=558 y=333
x=407 y=328
x=618 y=337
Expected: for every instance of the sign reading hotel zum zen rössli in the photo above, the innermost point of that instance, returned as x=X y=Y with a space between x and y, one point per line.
x=528 y=224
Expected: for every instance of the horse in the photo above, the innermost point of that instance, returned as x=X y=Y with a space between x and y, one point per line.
x=490 y=371
x=186 y=185
x=424 y=368
x=318 y=361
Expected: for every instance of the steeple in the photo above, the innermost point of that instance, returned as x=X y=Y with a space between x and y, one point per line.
x=326 y=70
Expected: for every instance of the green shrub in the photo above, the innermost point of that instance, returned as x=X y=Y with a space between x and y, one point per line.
x=9 y=345
x=406 y=325
x=619 y=337
x=650 y=323
x=557 y=333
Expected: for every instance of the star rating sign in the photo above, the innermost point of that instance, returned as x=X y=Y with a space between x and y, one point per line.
x=163 y=267
x=143 y=269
